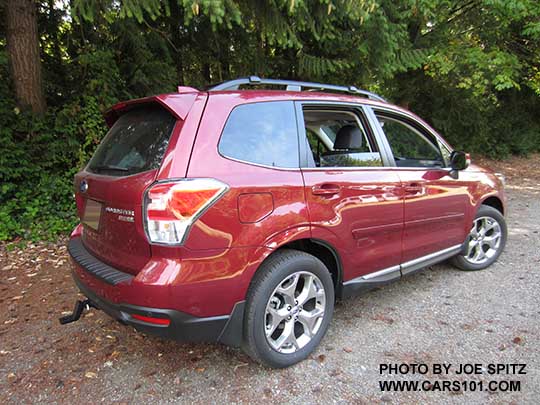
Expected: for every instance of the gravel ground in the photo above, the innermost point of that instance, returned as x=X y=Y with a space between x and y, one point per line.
x=440 y=315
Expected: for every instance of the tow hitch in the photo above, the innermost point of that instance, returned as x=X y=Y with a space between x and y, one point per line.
x=80 y=306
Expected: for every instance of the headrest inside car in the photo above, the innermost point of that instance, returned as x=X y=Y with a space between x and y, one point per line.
x=348 y=137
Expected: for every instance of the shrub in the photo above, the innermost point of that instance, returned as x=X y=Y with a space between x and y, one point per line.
x=40 y=157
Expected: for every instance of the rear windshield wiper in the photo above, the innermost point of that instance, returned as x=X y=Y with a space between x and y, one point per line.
x=111 y=167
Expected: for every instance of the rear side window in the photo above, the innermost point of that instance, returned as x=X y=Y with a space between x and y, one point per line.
x=339 y=138
x=262 y=133
x=135 y=143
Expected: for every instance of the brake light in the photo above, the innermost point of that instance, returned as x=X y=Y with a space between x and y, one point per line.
x=172 y=207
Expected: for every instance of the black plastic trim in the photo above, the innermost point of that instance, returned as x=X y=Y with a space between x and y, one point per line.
x=233 y=333
x=362 y=286
x=380 y=136
x=94 y=266
x=183 y=327
x=339 y=279
x=371 y=281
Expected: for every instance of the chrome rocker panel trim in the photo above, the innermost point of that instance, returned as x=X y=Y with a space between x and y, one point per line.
x=385 y=276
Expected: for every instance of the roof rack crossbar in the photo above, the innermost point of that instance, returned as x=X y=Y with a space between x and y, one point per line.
x=292 y=85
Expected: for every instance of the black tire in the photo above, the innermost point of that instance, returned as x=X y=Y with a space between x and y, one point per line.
x=273 y=273
x=460 y=261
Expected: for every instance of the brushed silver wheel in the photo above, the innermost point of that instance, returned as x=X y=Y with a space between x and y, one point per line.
x=484 y=240
x=295 y=311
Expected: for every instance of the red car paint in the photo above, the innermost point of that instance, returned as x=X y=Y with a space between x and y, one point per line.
x=373 y=218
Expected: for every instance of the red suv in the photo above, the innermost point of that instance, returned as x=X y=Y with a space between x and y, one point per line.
x=240 y=216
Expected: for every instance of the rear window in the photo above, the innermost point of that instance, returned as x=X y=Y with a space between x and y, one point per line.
x=135 y=143
x=262 y=133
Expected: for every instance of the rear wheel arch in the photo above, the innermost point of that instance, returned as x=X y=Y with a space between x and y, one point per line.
x=323 y=251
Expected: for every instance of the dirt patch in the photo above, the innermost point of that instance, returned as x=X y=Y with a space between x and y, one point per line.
x=522 y=173
x=439 y=315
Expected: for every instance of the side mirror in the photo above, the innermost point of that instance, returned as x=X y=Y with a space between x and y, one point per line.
x=459 y=160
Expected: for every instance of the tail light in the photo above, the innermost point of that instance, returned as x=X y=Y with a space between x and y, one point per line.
x=172 y=207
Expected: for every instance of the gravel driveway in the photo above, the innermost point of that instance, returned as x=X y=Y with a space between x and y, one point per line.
x=440 y=315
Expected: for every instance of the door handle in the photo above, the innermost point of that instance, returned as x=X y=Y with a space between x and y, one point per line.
x=325 y=189
x=413 y=188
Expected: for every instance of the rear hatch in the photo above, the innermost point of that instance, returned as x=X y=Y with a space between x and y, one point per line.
x=109 y=191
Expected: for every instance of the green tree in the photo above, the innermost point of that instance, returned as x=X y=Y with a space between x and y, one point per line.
x=470 y=67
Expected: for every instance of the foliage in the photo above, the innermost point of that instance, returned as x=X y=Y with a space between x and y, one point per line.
x=470 y=67
x=40 y=157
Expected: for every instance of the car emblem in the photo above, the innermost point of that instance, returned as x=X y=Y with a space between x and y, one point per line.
x=83 y=186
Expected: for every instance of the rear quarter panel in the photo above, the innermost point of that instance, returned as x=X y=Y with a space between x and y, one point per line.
x=223 y=225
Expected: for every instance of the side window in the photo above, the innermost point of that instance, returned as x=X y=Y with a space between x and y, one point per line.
x=338 y=138
x=410 y=147
x=263 y=133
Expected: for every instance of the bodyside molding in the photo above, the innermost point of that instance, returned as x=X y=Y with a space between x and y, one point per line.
x=428 y=260
x=372 y=280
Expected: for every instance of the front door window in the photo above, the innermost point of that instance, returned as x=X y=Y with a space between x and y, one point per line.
x=409 y=146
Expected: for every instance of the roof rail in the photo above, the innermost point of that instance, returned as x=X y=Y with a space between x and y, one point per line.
x=292 y=85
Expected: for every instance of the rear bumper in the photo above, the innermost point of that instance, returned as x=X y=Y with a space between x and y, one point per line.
x=182 y=327
x=96 y=280
x=95 y=267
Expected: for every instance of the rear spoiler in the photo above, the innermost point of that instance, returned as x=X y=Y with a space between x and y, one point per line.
x=178 y=104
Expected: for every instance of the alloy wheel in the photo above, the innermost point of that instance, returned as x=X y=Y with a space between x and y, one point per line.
x=484 y=240
x=294 y=312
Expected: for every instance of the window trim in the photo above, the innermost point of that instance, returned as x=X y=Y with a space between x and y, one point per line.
x=415 y=124
x=292 y=168
x=362 y=114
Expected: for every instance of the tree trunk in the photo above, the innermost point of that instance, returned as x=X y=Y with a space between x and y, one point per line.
x=23 y=54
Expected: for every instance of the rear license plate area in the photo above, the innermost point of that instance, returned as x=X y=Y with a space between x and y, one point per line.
x=92 y=214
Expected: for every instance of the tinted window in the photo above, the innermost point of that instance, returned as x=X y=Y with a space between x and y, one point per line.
x=263 y=133
x=337 y=139
x=410 y=147
x=135 y=143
